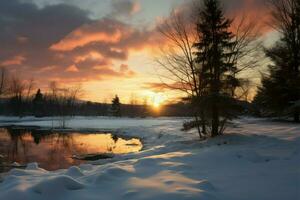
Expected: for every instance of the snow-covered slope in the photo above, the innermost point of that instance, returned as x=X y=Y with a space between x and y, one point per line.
x=255 y=160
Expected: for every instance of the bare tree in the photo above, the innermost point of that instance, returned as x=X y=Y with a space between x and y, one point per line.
x=179 y=71
x=248 y=46
x=17 y=87
x=73 y=94
x=145 y=107
x=16 y=90
x=3 y=81
x=64 y=100
x=133 y=102
x=30 y=87
x=286 y=20
x=53 y=88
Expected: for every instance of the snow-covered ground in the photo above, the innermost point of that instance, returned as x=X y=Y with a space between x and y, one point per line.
x=256 y=160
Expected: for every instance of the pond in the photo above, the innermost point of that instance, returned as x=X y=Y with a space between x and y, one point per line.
x=54 y=150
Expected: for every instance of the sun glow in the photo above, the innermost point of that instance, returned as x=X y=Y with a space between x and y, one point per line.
x=156 y=99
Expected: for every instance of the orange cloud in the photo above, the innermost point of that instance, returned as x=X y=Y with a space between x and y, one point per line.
x=72 y=68
x=251 y=13
x=91 y=55
x=109 y=35
x=16 y=60
x=48 y=68
x=82 y=37
x=124 y=68
x=124 y=71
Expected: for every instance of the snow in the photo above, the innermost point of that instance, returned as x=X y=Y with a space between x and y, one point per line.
x=257 y=159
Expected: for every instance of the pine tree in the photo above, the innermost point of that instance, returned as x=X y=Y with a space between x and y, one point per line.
x=38 y=96
x=216 y=71
x=279 y=93
x=38 y=103
x=116 y=107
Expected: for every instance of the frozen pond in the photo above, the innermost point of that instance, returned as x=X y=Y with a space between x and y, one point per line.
x=53 y=150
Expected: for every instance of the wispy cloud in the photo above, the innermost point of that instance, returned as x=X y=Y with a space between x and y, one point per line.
x=62 y=42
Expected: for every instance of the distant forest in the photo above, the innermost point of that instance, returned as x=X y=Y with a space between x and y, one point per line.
x=50 y=104
x=56 y=104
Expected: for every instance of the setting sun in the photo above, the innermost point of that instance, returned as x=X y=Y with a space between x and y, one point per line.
x=156 y=99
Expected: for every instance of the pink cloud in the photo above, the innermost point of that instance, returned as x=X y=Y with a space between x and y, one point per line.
x=16 y=60
x=100 y=31
x=72 y=68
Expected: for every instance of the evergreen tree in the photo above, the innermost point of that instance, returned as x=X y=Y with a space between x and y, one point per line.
x=38 y=96
x=280 y=90
x=216 y=71
x=116 y=107
x=38 y=102
x=279 y=93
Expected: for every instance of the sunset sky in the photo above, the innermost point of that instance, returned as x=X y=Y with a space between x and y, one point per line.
x=107 y=46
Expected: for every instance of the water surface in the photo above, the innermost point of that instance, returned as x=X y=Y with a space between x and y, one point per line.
x=53 y=150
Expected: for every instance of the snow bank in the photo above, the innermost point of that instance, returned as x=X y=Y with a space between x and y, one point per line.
x=257 y=159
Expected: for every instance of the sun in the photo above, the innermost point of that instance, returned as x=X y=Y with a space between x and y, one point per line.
x=156 y=104
x=156 y=99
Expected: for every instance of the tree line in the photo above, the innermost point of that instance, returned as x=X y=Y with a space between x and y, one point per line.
x=21 y=98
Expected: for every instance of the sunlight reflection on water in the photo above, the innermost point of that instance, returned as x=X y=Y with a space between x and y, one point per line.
x=55 y=150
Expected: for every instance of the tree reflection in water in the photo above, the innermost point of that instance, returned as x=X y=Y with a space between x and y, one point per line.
x=54 y=150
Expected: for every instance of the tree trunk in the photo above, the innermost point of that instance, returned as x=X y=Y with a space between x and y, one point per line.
x=198 y=127
x=203 y=124
x=215 y=121
x=296 y=117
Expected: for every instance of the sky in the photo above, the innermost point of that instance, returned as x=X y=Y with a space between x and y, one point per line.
x=106 y=46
